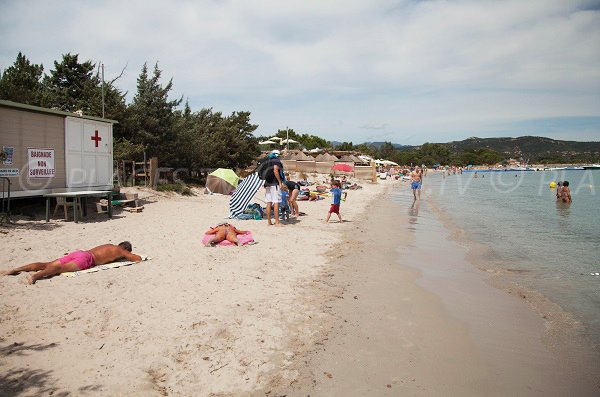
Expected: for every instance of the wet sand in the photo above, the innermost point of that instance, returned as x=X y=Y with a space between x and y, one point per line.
x=414 y=317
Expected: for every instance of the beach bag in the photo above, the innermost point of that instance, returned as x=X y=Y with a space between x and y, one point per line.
x=255 y=210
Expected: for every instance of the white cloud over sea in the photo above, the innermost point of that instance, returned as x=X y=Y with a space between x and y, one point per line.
x=352 y=70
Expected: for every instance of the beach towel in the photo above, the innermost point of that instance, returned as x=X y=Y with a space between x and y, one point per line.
x=245 y=239
x=106 y=266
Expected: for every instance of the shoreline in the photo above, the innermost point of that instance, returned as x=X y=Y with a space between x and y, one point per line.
x=355 y=358
x=564 y=333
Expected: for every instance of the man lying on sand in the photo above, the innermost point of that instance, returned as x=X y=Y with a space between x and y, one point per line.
x=75 y=261
x=224 y=231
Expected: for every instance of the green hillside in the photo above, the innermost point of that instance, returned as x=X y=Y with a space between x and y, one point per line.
x=533 y=148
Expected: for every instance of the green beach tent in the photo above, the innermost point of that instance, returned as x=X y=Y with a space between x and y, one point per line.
x=222 y=181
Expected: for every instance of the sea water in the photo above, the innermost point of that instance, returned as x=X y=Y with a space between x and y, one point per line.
x=548 y=246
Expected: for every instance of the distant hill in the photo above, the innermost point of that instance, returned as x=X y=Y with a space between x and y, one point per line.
x=377 y=145
x=380 y=144
x=529 y=147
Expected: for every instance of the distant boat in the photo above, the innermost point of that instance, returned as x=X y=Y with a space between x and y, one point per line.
x=556 y=168
x=591 y=167
x=522 y=169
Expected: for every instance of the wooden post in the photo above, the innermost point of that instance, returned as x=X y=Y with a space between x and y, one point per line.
x=145 y=171
x=122 y=168
x=373 y=172
x=153 y=172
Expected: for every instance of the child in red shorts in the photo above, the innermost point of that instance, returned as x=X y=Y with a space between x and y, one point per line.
x=336 y=195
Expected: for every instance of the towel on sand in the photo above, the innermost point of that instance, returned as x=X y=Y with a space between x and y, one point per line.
x=106 y=266
x=244 y=239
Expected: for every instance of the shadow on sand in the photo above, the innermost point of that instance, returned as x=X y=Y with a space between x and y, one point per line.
x=26 y=381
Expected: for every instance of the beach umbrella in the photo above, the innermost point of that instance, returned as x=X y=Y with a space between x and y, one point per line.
x=243 y=194
x=222 y=181
x=342 y=167
x=267 y=142
x=288 y=141
x=275 y=138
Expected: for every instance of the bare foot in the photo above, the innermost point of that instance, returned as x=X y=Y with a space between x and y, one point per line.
x=8 y=273
x=29 y=279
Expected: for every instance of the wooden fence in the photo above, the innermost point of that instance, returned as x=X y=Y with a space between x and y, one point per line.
x=362 y=172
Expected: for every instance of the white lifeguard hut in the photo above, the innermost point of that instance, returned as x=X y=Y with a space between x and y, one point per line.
x=46 y=150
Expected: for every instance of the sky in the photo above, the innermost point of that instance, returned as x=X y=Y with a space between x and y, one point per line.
x=406 y=72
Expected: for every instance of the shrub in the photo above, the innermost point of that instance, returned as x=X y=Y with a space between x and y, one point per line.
x=175 y=187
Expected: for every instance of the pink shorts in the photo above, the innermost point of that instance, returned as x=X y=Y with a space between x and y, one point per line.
x=83 y=259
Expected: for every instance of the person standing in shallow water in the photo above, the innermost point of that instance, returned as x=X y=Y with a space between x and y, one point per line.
x=417 y=181
x=559 y=190
x=565 y=193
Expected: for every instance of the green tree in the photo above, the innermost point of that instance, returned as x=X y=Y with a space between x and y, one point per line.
x=75 y=86
x=434 y=153
x=369 y=150
x=72 y=86
x=346 y=146
x=207 y=139
x=488 y=156
x=151 y=117
x=386 y=151
x=127 y=150
x=312 y=141
x=183 y=126
x=229 y=142
x=22 y=82
x=406 y=157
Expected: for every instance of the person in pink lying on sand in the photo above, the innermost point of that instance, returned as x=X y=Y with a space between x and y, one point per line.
x=75 y=261
x=224 y=231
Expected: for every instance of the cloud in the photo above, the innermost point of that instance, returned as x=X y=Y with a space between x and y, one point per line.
x=373 y=126
x=433 y=70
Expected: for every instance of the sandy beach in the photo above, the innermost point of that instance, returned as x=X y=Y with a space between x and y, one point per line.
x=313 y=308
x=191 y=321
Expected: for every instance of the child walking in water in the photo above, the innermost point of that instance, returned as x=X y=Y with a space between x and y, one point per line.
x=336 y=200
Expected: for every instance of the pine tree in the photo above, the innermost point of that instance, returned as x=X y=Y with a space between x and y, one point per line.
x=151 y=116
x=72 y=86
x=22 y=82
